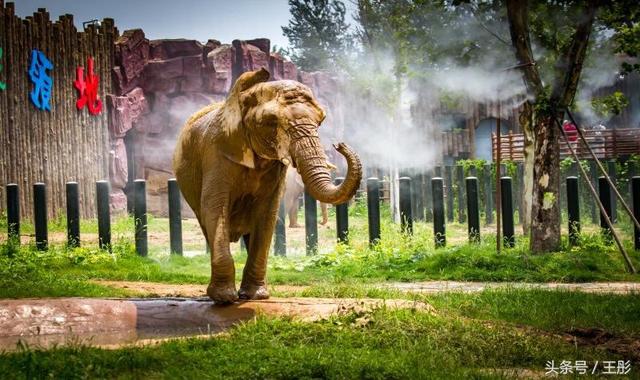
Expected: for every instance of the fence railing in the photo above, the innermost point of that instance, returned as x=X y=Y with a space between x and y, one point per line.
x=606 y=144
x=432 y=194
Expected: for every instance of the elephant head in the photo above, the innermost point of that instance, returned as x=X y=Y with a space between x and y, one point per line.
x=279 y=120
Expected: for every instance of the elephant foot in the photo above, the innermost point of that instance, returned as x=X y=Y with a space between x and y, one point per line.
x=295 y=226
x=323 y=222
x=253 y=292
x=222 y=294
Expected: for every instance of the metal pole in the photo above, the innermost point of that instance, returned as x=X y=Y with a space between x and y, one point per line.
x=40 y=215
x=73 y=215
x=280 y=245
x=175 y=217
x=594 y=193
x=373 y=209
x=498 y=188
x=342 y=217
x=104 y=214
x=13 y=212
x=311 y=224
x=140 y=215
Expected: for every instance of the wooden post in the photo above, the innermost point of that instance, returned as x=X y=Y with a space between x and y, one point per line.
x=310 y=224
x=439 y=233
x=473 y=212
x=373 y=209
x=73 y=215
x=342 y=217
x=175 y=217
x=40 y=215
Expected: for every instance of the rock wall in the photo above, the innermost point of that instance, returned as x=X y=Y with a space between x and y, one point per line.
x=160 y=83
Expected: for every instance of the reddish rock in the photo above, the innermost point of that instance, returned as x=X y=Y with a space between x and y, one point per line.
x=118 y=201
x=305 y=78
x=172 y=48
x=163 y=69
x=138 y=105
x=261 y=43
x=216 y=82
x=191 y=84
x=192 y=66
x=118 y=172
x=248 y=57
x=276 y=66
x=131 y=54
x=156 y=122
x=221 y=58
x=119 y=115
x=289 y=71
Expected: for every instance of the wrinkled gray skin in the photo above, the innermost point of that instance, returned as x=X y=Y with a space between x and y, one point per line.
x=230 y=163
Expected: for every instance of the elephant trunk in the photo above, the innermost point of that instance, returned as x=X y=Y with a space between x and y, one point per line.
x=313 y=167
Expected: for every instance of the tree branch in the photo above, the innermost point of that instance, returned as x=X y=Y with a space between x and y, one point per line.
x=519 y=30
x=570 y=63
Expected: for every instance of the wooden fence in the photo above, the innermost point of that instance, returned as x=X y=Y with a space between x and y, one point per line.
x=63 y=144
x=607 y=144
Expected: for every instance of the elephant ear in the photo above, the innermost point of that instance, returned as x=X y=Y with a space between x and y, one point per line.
x=235 y=146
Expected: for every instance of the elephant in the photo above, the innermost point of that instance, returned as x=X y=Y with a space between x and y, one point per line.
x=294 y=187
x=230 y=163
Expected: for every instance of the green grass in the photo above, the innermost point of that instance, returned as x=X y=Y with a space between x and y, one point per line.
x=385 y=344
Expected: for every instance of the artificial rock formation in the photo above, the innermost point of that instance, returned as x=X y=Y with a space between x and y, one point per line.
x=160 y=83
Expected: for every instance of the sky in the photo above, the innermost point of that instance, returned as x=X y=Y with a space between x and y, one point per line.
x=192 y=19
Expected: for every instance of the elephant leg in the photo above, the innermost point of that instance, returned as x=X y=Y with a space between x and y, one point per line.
x=215 y=218
x=325 y=213
x=293 y=216
x=254 y=285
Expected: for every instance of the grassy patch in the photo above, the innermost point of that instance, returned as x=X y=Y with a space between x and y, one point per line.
x=397 y=344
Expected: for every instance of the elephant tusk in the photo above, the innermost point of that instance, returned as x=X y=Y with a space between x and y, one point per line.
x=331 y=166
x=285 y=161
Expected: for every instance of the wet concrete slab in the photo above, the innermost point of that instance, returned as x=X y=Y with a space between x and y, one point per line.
x=46 y=323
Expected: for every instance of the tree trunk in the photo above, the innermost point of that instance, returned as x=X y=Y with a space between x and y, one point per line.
x=545 y=212
x=526 y=122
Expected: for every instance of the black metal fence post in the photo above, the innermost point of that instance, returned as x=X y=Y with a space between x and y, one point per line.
x=73 y=215
x=40 y=215
x=280 y=244
x=406 y=217
x=373 y=209
x=573 y=209
x=140 y=215
x=342 y=217
x=175 y=217
x=439 y=226
x=611 y=169
x=104 y=214
x=507 y=212
x=635 y=191
x=605 y=198
x=593 y=172
x=473 y=211
x=310 y=224
x=13 y=212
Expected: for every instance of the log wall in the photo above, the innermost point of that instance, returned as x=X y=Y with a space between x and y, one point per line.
x=64 y=144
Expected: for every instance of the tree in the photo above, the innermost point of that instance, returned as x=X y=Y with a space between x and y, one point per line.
x=318 y=33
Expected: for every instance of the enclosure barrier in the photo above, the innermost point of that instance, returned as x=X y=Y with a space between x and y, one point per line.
x=175 y=216
x=40 y=215
x=73 y=215
x=635 y=191
x=507 y=212
x=310 y=224
x=280 y=244
x=407 y=194
x=573 y=209
x=473 y=210
x=140 y=216
x=406 y=218
x=342 y=217
x=13 y=212
x=437 y=191
x=373 y=209
x=605 y=198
